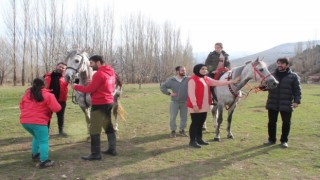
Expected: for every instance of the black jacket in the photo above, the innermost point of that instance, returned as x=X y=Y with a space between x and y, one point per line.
x=287 y=92
x=213 y=60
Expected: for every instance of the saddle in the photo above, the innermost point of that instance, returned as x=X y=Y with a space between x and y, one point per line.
x=220 y=72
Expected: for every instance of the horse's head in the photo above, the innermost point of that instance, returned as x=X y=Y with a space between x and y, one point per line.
x=77 y=61
x=258 y=70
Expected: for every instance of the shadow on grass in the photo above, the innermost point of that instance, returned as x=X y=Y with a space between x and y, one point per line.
x=146 y=139
x=203 y=168
x=5 y=144
x=67 y=157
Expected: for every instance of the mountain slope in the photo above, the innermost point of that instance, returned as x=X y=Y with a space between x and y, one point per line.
x=271 y=55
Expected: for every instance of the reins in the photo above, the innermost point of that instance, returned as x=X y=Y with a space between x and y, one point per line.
x=256 y=88
x=263 y=78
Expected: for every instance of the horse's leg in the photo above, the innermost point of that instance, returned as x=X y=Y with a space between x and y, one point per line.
x=86 y=112
x=230 y=114
x=115 y=114
x=220 y=119
x=215 y=116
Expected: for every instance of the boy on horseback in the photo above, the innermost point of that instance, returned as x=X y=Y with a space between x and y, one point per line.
x=217 y=63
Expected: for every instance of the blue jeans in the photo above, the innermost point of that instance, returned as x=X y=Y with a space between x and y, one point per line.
x=40 y=139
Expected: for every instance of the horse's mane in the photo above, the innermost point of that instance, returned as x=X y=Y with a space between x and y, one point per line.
x=236 y=71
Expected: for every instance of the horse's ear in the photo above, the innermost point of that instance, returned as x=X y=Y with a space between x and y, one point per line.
x=257 y=61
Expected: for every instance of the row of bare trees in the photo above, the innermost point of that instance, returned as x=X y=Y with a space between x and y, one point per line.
x=39 y=34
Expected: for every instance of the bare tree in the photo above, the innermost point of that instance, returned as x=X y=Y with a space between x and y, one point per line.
x=26 y=6
x=143 y=51
x=11 y=23
x=4 y=63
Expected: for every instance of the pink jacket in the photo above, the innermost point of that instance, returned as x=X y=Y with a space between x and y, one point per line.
x=33 y=112
x=101 y=87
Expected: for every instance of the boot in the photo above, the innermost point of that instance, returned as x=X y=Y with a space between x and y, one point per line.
x=112 y=145
x=95 y=149
x=62 y=133
x=201 y=142
x=193 y=143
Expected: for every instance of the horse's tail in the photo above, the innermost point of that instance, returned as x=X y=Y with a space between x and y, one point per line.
x=121 y=112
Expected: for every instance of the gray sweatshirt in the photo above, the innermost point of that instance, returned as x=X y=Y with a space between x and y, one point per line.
x=176 y=86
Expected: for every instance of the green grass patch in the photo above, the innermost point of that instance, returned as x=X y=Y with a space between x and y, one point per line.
x=146 y=151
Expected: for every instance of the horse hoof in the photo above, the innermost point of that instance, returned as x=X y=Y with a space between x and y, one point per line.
x=230 y=137
x=216 y=139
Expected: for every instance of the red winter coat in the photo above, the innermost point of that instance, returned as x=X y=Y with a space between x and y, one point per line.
x=101 y=87
x=33 y=112
x=199 y=91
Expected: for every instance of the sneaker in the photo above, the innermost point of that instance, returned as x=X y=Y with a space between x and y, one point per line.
x=284 y=145
x=35 y=157
x=46 y=163
x=267 y=143
x=183 y=133
x=173 y=134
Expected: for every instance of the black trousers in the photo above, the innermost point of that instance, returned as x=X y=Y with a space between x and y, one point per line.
x=214 y=96
x=60 y=116
x=272 y=125
x=197 y=120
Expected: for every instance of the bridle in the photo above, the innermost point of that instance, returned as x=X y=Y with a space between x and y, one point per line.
x=263 y=78
x=74 y=99
x=80 y=64
x=256 y=71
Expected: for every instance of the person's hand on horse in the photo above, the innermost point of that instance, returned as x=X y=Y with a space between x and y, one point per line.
x=236 y=80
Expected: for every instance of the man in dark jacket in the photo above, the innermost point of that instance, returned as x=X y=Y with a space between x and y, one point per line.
x=59 y=87
x=284 y=99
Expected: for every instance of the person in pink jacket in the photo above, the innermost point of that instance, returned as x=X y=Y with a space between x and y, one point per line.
x=199 y=99
x=36 y=107
x=101 y=90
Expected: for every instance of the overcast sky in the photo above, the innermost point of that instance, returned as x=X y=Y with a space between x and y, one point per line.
x=241 y=25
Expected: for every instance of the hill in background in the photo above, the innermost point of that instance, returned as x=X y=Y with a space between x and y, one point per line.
x=271 y=55
x=304 y=58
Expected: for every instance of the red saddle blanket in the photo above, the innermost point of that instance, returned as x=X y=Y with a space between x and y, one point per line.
x=220 y=72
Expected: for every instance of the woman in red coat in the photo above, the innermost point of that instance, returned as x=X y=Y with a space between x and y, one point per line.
x=36 y=107
x=199 y=98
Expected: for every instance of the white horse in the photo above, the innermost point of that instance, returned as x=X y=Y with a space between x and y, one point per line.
x=78 y=66
x=228 y=96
